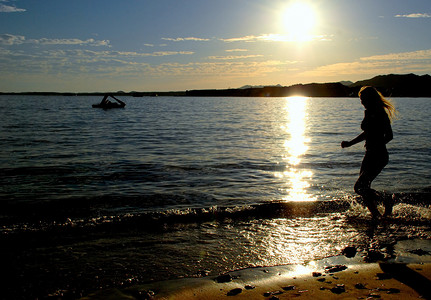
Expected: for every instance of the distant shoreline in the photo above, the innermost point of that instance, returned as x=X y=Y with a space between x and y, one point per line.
x=409 y=85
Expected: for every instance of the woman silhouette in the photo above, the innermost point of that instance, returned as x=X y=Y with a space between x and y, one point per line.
x=377 y=132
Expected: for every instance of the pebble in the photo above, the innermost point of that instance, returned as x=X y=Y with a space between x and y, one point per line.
x=338 y=289
x=267 y=294
x=336 y=268
x=224 y=278
x=249 y=287
x=349 y=251
x=288 y=288
x=360 y=286
x=316 y=274
x=234 y=292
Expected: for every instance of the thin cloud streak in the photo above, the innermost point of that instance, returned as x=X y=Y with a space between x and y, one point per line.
x=10 y=39
x=417 y=15
x=232 y=57
x=181 y=39
x=10 y=9
x=236 y=50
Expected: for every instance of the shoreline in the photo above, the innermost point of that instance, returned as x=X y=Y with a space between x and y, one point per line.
x=406 y=276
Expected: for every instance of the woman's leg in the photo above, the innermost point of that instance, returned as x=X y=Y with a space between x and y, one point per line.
x=371 y=166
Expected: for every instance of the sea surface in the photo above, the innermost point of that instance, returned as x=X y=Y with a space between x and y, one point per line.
x=173 y=187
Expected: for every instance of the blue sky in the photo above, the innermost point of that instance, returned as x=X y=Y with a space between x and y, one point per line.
x=170 y=45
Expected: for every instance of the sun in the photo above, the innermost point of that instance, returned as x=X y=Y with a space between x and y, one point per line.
x=298 y=20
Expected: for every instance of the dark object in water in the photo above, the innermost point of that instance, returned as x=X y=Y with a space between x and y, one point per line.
x=106 y=104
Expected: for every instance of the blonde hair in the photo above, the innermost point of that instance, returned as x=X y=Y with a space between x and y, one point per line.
x=370 y=93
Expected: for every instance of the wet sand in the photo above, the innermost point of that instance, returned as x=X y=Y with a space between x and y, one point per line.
x=337 y=277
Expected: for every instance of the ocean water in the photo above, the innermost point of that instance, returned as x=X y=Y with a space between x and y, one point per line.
x=174 y=187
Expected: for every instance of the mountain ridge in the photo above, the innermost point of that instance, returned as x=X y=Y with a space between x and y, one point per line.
x=391 y=85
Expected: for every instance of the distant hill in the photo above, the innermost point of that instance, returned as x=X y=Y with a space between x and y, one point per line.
x=409 y=85
x=346 y=83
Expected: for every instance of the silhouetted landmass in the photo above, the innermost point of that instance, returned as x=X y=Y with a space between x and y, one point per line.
x=311 y=90
x=392 y=85
x=408 y=85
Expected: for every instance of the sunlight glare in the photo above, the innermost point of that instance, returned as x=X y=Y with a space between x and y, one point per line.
x=298 y=21
x=296 y=147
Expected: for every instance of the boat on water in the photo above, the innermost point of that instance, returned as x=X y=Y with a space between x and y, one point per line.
x=106 y=104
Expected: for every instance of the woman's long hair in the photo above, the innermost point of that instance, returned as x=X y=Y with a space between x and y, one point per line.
x=375 y=97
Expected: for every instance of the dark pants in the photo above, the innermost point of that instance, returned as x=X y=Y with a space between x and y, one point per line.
x=373 y=163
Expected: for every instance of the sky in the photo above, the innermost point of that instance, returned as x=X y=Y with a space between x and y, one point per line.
x=177 y=45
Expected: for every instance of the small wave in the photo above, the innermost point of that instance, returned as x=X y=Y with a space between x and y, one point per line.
x=156 y=220
x=97 y=213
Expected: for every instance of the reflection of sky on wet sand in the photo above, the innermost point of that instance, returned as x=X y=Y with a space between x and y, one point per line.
x=296 y=146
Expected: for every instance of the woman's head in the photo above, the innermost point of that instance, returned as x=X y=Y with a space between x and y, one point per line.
x=373 y=99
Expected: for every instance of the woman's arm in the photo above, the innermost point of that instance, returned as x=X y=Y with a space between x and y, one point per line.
x=358 y=139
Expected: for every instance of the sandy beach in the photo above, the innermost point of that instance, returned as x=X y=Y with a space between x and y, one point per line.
x=339 y=277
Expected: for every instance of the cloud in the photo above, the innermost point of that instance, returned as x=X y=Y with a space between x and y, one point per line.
x=405 y=62
x=10 y=39
x=90 y=42
x=8 y=9
x=85 y=62
x=417 y=15
x=236 y=50
x=232 y=57
x=144 y=54
x=180 y=39
x=403 y=56
x=248 y=38
x=165 y=53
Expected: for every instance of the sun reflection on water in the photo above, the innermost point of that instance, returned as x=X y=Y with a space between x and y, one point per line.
x=295 y=147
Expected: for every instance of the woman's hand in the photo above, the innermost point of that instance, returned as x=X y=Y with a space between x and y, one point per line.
x=345 y=144
x=359 y=138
